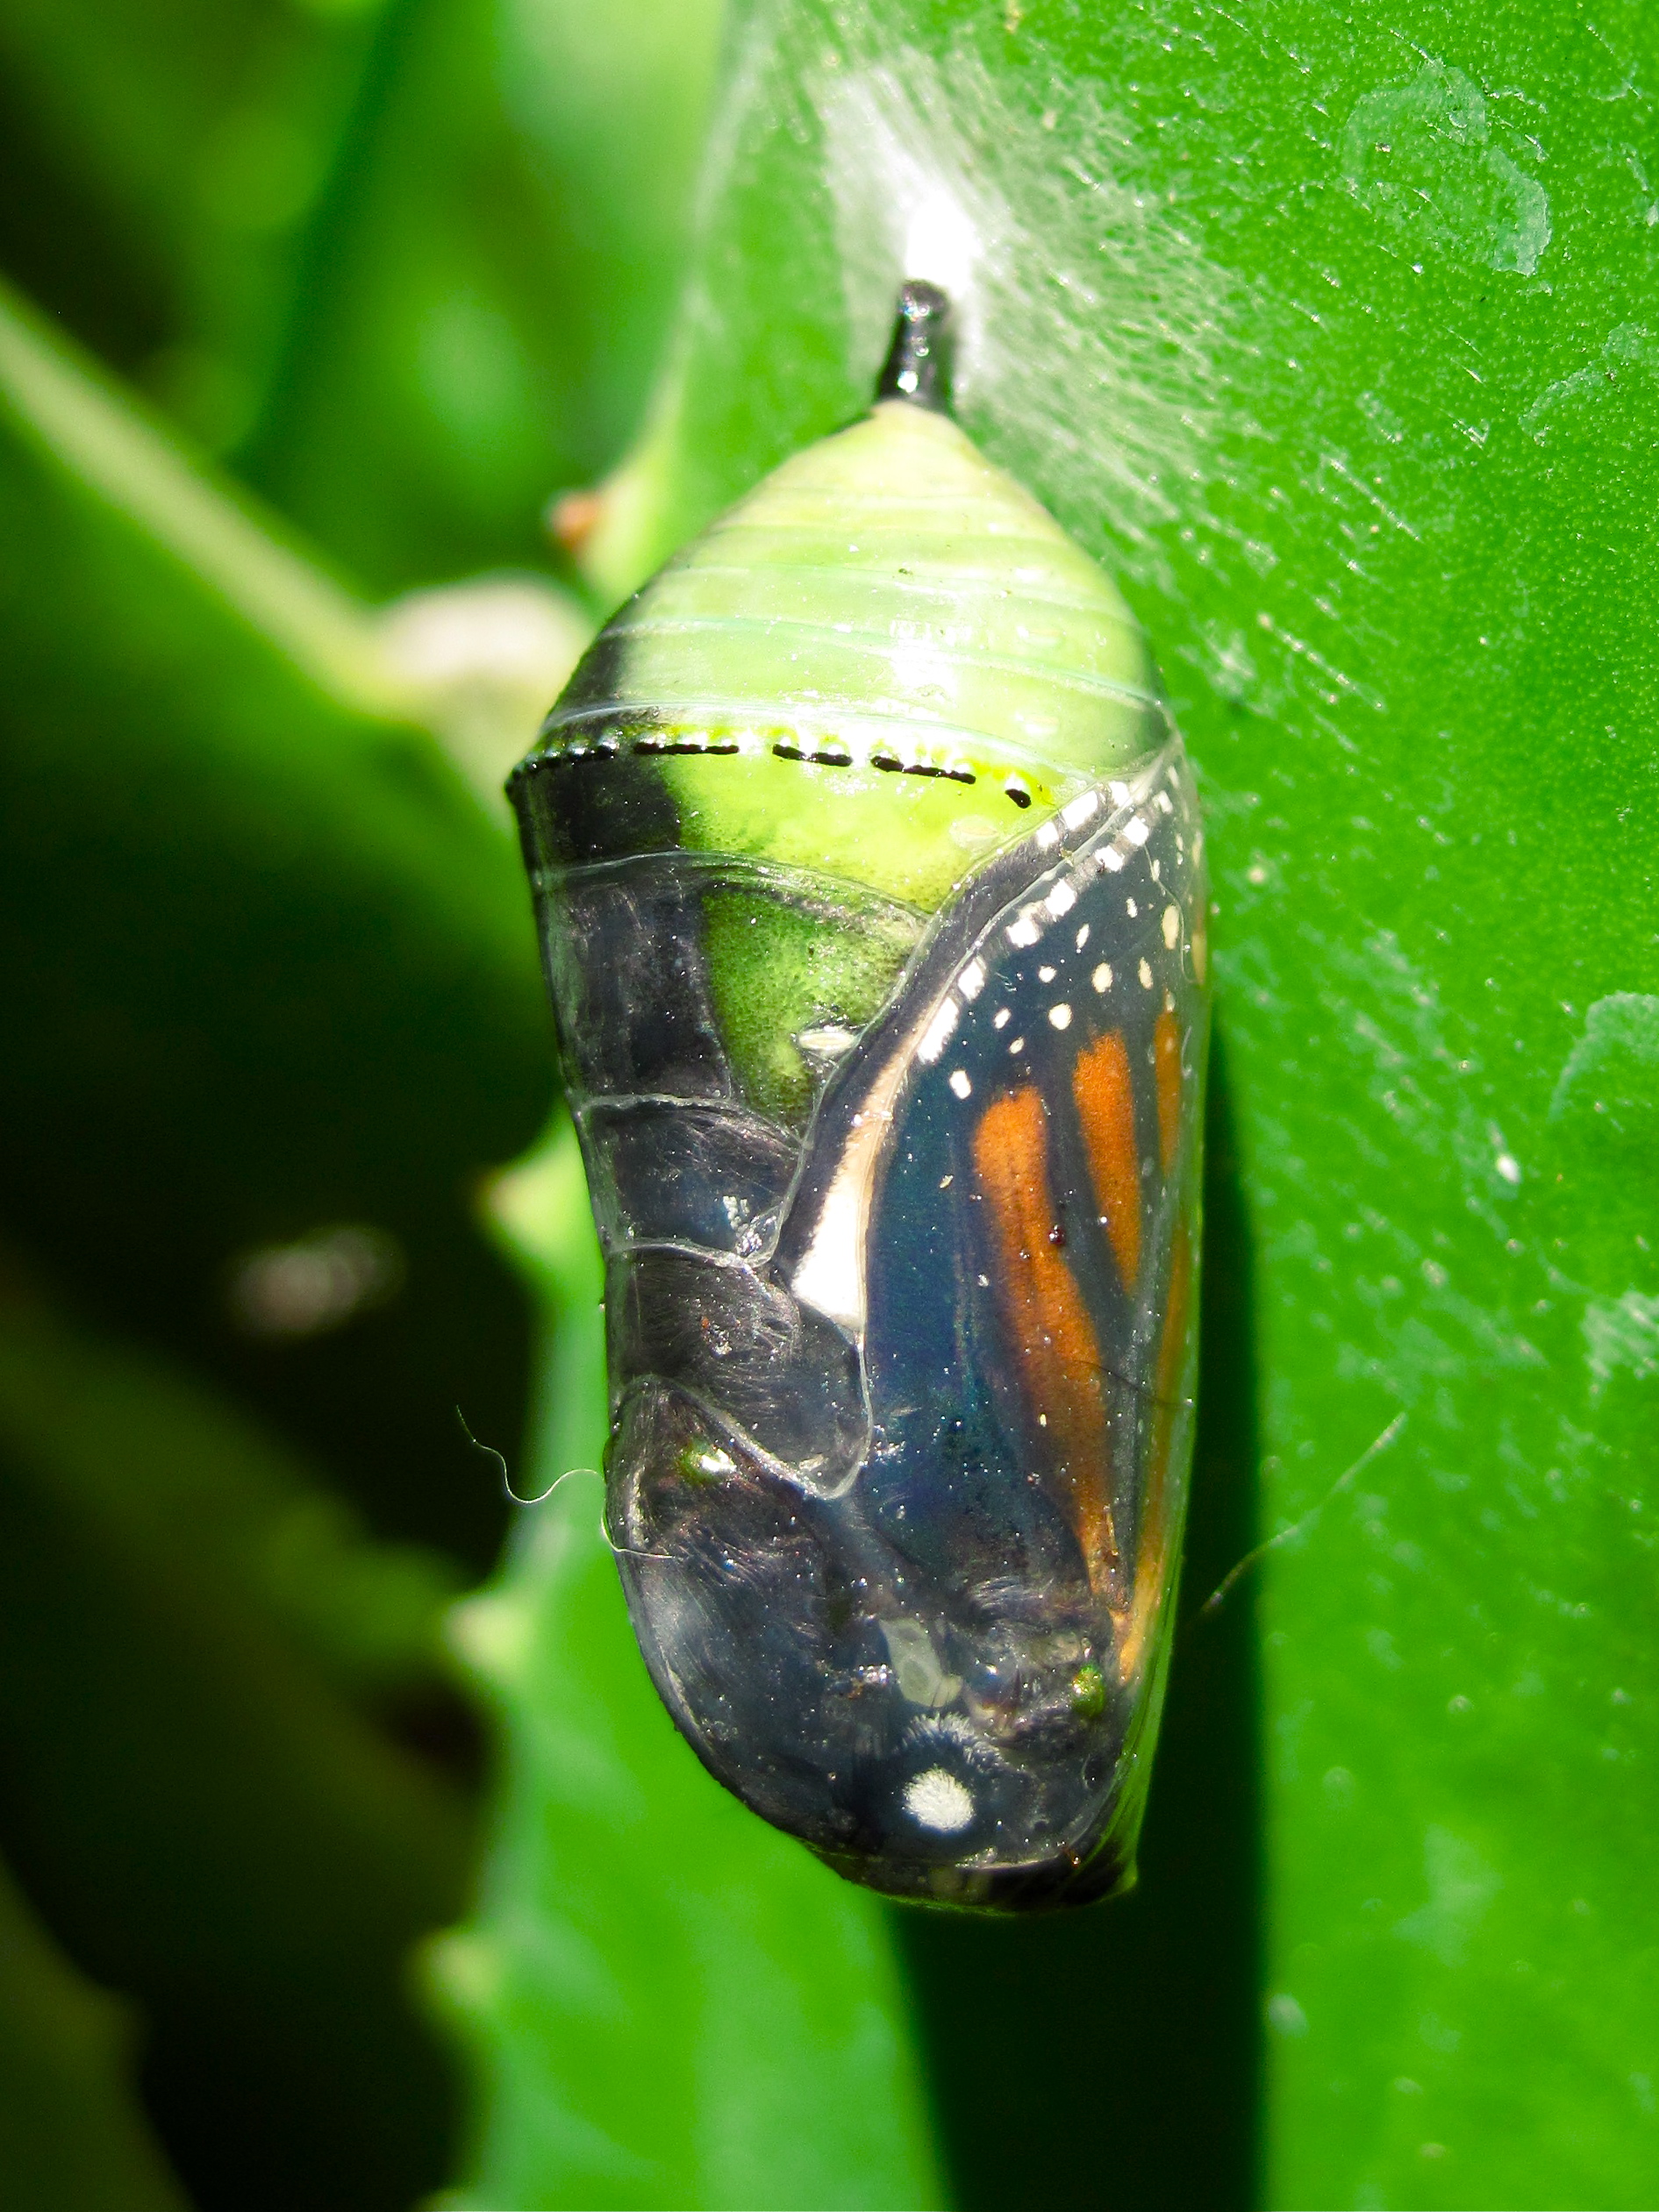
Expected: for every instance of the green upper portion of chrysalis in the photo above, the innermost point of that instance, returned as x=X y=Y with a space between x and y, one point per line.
x=886 y=601
x=888 y=582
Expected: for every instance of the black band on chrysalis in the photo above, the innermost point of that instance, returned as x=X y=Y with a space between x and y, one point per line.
x=919 y=361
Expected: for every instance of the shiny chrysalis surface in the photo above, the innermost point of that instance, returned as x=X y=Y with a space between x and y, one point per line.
x=870 y=879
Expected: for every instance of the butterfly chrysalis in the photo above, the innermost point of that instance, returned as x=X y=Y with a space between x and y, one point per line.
x=870 y=880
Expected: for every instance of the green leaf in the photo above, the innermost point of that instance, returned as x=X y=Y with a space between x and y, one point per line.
x=494 y=267
x=1332 y=336
x=665 y=2002
x=170 y=1471
x=279 y=973
x=158 y=161
x=204 y=1820
x=72 y=2137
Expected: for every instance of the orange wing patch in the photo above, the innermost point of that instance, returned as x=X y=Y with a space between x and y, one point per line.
x=1105 y=1096
x=1048 y=1324
x=1166 y=1056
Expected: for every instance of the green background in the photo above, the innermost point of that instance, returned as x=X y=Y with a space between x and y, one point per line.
x=1332 y=336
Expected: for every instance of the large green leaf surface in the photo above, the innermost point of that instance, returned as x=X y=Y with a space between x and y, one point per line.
x=1332 y=336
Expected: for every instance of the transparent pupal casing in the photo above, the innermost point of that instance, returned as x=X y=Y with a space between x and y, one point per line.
x=870 y=879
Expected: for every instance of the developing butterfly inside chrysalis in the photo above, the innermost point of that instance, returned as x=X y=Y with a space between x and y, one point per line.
x=870 y=882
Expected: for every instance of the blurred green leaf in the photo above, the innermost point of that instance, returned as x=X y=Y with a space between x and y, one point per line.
x=72 y=2137
x=665 y=2002
x=169 y=1470
x=204 y=1821
x=491 y=276
x=279 y=973
x=159 y=159
x=1332 y=336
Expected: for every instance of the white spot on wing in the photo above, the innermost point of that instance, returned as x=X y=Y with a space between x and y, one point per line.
x=831 y=1276
x=936 y=1799
x=938 y=1029
x=1145 y=974
x=960 y=1083
x=1061 y=1016
x=1172 y=926
x=1102 y=978
x=1061 y=900
x=971 y=982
